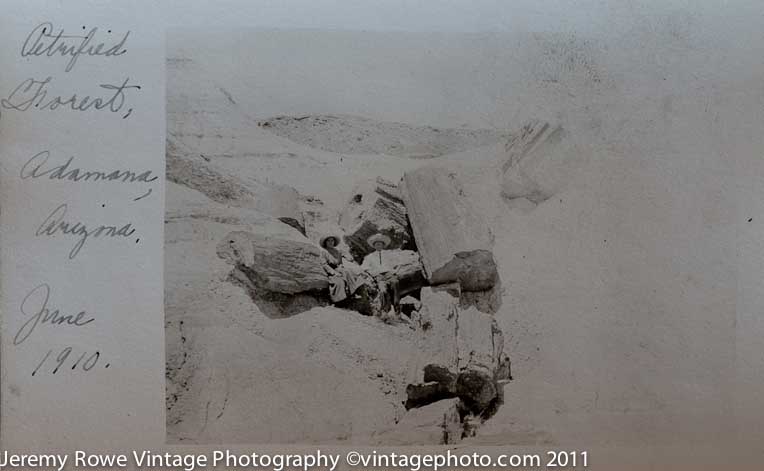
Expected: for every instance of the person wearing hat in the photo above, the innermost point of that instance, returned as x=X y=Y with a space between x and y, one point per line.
x=345 y=276
x=376 y=264
x=330 y=243
x=375 y=261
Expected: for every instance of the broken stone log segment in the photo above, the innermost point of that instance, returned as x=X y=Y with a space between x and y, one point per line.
x=504 y=372
x=452 y=238
x=539 y=161
x=438 y=313
x=401 y=267
x=440 y=374
x=476 y=387
x=280 y=265
x=419 y=395
x=463 y=350
x=375 y=206
x=279 y=201
x=479 y=340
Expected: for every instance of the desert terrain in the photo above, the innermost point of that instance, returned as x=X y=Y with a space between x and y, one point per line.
x=613 y=234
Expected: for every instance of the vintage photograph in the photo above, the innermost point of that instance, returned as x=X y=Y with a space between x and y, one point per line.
x=417 y=239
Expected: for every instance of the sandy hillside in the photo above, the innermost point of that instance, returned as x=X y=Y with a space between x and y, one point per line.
x=356 y=135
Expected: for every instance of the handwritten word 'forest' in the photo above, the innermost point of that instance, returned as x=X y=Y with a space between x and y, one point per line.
x=40 y=94
x=33 y=95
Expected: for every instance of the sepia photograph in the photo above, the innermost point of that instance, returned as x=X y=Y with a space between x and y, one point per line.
x=396 y=238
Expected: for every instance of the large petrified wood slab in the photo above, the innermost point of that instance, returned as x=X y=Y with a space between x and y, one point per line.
x=402 y=267
x=281 y=202
x=540 y=159
x=375 y=206
x=453 y=239
x=275 y=264
x=463 y=353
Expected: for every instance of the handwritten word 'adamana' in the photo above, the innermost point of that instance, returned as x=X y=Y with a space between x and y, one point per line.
x=38 y=167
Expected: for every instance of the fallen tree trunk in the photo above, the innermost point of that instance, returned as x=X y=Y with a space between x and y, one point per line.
x=401 y=267
x=278 y=265
x=281 y=202
x=463 y=353
x=375 y=207
x=453 y=240
x=539 y=161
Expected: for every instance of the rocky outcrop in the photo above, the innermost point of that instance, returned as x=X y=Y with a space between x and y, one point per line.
x=461 y=360
x=375 y=206
x=274 y=264
x=347 y=134
x=453 y=240
x=539 y=160
x=402 y=268
x=463 y=353
x=194 y=172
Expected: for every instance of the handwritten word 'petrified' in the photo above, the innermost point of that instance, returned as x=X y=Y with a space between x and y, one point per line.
x=32 y=94
x=56 y=224
x=43 y=41
x=35 y=305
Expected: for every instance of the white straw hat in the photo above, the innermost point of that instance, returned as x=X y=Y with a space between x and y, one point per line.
x=376 y=238
x=325 y=238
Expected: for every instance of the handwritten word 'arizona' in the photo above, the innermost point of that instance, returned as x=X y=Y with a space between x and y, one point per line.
x=56 y=224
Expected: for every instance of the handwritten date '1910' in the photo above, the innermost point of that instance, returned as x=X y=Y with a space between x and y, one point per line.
x=67 y=359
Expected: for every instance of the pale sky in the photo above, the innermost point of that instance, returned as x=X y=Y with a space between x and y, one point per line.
x=587 y=17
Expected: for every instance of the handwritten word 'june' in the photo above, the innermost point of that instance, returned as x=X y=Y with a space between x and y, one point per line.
x=35 y=305
x=56 y=224
x=42 y=41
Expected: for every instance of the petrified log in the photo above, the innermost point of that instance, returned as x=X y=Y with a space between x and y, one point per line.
x=439 y=312
x=418 y=395
x=453 y=240
x=479 y=340
x=275 y=264
x=400 y=266
x=463 y=352
x=281 y=202
x=375 y=207
x=504 y=372
x=440 y=374
x=539 y=161
x=477 y=388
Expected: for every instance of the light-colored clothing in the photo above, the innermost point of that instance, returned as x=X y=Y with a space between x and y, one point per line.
x=344 y=280
x=373 y=265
